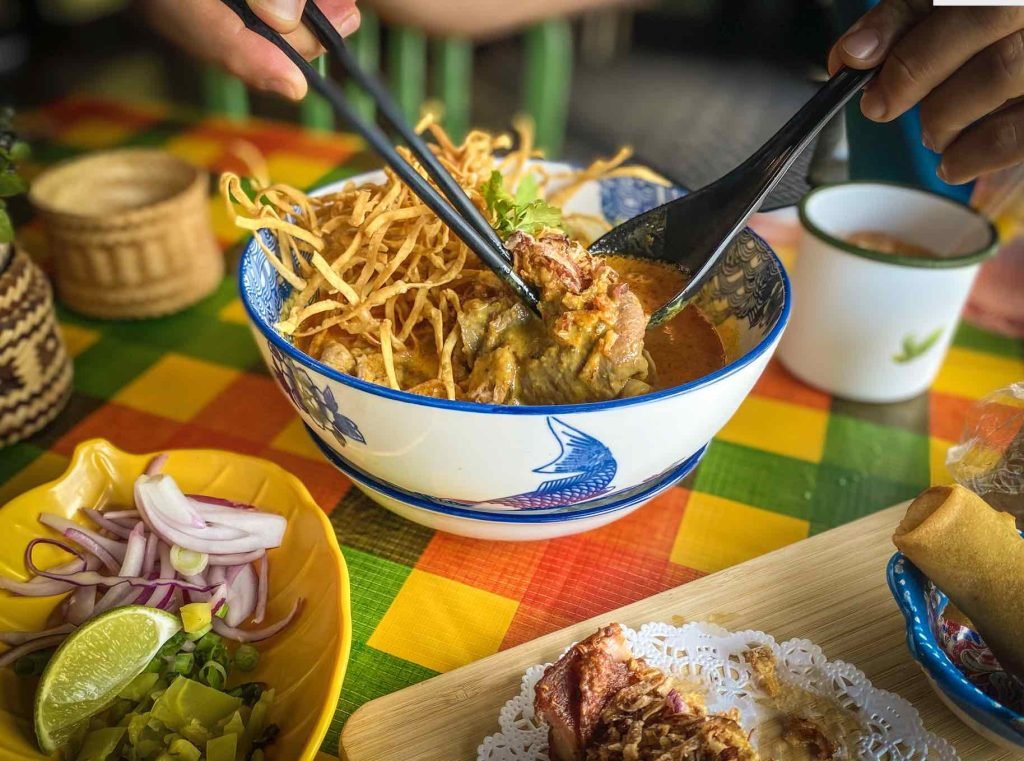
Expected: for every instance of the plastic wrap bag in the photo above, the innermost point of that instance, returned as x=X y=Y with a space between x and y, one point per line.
x=989 y=460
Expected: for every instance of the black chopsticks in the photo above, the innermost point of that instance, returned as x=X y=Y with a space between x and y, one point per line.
x=464 y=219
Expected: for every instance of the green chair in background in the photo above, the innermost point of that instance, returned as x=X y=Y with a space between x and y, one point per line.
x=411 y=55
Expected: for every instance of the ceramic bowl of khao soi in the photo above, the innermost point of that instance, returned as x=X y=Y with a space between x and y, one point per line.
x=446 y=401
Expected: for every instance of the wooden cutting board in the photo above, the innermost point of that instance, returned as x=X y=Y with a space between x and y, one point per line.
x=830 y=589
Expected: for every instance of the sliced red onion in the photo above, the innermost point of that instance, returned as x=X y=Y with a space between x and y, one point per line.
x=135 y=555
x=250 y=521
x=161 y=595
x=164 y=496
x=57 y=523
x=79 y=605
x=199 y=580
x=106 y=523
x=216 y=574
x=156 y=465
x=211 y=539
x=122 y=515
x=150 y=556
x=41 y=586
x=218 y=598
x=242 y=593
x=255 y=635
x=87 y=543
x=13 y=639
x=92 y=578
x=237 y=559
x=115 y=597
x=220 y=502
x=263 y=591
x=42 y=643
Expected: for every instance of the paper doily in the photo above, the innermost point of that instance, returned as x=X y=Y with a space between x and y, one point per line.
x=871 y=725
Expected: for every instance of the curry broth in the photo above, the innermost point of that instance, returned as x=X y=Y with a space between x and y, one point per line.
x=686 y=347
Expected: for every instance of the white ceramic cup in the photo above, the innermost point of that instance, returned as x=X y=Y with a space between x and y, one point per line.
x=870 y=326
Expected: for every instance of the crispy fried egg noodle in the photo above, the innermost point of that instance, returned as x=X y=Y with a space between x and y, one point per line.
x=376 y=275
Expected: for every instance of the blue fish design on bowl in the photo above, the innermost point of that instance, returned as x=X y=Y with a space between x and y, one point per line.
x=586 y=466
x=318 y=403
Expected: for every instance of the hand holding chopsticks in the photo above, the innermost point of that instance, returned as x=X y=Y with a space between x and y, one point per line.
x=458 y=211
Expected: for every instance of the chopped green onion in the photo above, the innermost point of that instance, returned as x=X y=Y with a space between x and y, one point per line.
x=187 y=562
x=213 y=674
x=247 y=657
x=183 y=664
x=199 y=634
x=222 y=611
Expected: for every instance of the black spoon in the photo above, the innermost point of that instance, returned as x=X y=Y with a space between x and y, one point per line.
x=693 y=232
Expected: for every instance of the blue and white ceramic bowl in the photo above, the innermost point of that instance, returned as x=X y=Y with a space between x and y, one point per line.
x=932 y=642
x=545 y=459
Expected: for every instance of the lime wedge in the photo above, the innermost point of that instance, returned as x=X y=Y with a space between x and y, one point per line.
x=93 y=665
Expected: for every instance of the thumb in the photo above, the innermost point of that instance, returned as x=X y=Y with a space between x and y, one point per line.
x=283 y=15
x=869 y=40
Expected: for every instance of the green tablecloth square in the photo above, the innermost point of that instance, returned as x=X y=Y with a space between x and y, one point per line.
x=970 y=337
x=16 y=456
x=224 y=343
x=842 y=495
x=758 y=478
x=881 y=450
x=371 y=674
x=362 y=524
x=111 y=364
x=379 y=582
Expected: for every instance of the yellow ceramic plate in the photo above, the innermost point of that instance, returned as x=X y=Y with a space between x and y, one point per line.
x=305 y=663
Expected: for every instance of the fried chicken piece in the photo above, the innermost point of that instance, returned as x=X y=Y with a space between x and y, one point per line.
x=574 y=690
x=588 y=346
x=804 y=733
x=762 y=661
x=652 y=721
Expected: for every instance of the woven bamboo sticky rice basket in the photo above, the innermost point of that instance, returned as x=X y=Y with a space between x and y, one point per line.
x=35 y=371
x=130 y=233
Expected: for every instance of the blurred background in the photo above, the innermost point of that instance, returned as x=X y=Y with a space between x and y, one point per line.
x=694 y=85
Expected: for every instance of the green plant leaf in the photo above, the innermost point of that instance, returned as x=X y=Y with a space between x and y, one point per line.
x=12 y=185
x=514 y=213
x=528 y=190
x=20 y=151
x=6 y=230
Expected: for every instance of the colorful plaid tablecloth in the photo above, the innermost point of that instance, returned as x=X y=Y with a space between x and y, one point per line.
x=792 y=462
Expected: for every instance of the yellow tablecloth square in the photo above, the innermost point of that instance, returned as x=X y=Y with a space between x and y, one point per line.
x=716 y=533
x=443 y=624
x=937 y=449
x=294 y=439
x=972 y=375
x=97 y=133
x=780 y=427
x=296 y=170
x=176 y=387
x=78 y=339
x=234 y=312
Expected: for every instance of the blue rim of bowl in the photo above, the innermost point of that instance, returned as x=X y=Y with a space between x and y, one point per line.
x=656 y=486
x=251 y=252
x=907 y=585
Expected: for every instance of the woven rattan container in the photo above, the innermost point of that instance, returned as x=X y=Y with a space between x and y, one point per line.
x=35 y=371
x=130 y=233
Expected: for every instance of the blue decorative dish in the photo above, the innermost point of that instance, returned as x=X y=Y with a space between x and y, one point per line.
x=956 y=661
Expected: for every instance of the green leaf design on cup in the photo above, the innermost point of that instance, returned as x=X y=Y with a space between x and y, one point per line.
x=913 y=348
